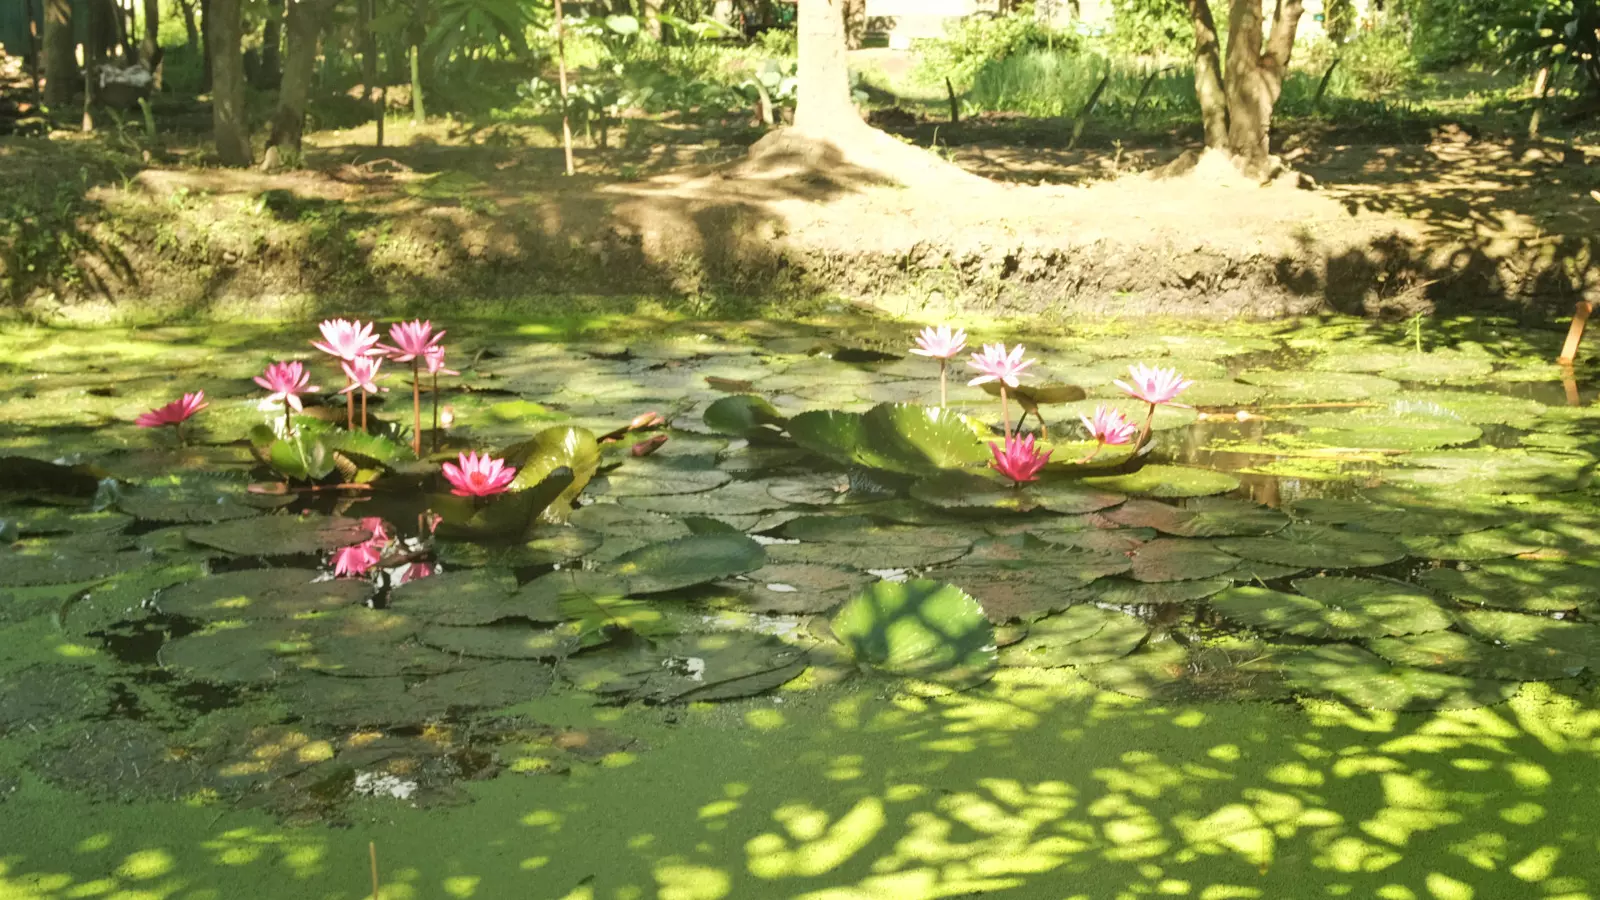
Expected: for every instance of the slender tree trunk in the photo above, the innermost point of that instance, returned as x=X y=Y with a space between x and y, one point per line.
x=60 y=66
x=651 y=10
x=271 y=45
x=151 y=41
x=418 y=33
x=1208 y=85
x=303 y=26
x=206 y=61
x=224 y=29
x=367 y=40
x=191 y=28
x=824 y=105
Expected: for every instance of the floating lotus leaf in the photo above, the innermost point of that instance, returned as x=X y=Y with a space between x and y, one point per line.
x=1025 y=593
x=1320 y=387
x=261 y=594
x=1205 y=517
x=1222 y=394
x=1457 y=653
x=611 y=520
x=1250 y=570
x=1477 y=408
x=1167 y=482
x=124 y=597
x=745 y=416
x=717 y=666
x=738 y=498
x=973 y=490
x=1440 y=367
x=1123 y=592
x=549 y=544
x=1528 y=585
x=1230 y=670
x=921 y=629
x=1495 y=543
x=1489 y=471
x=861 y=544
x=509 y=641
x=1368 y=361
x=38 y=478
x=1576 y=642
x=367 y=643
x=1081 y=636
x=649 y=478
x=906 y=438
x=1381 y=429
x=798 y=588
x=41 y=697
x=42 y=566
x=551 y=450
x=351 y=702
x=825 y=489
x=497 y=684
x=121 y=760
x=1317 y=547
x=281 y=535
x=466 y=597
x=1335 y=608
x=1180 y=559
x=1361 y=679
x=1421 y=518
x=1166 y=418
x=196 y=498
x=53 y=520
x=685 y=562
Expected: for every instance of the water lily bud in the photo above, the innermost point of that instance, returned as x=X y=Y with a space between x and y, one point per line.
x=645 y=448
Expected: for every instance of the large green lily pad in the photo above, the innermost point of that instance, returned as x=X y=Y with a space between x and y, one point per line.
x=1489 y=471
x=1317 y=547
x=1457 y=653
x=1362 y=679
x=1230 y=670
x=798 y=588
x=1474 y=408
x=905 y=438
x=717 y=666
x=685 y=562
x=466 y=597
x=1081 y=636
x=507 y=641
x=1320 y=387
x=561 y=447
x=261 y=594
x=1024 y=593
x=1335 y=608
x=1167 y=482
x=1204 y=517
x=921 y=629
x=1180 y=559
x=42 y=566
x=1423 y=516
x=281 y=535
x=974 y=490
x=190 y=497
x=544 y=545
x=1527 y=585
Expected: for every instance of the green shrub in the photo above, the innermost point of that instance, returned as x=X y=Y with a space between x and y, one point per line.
x=978 y=41
x=1042 y=83
x=1158 y=28
x=1376 y=62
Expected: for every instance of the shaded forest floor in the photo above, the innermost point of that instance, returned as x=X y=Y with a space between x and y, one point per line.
x=1369 y=223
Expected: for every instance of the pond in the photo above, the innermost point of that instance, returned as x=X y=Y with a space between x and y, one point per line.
x=277 y=609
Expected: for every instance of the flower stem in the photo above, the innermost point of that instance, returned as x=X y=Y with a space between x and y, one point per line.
x=1144 y=430
x=350 y=412
x=288 y=428
x=1005 y=410
x=436 y=411
x=1092 y=454
x=416 y=409
x=944 y=398
x=363 y=410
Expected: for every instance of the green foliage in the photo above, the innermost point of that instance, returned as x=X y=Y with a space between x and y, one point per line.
x=1446 y=33
x=1375 y=63
x=1158 y=28
x=976 y=41
x=1567 y=32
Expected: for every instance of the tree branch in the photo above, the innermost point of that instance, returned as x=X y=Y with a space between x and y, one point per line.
x=1280 y=44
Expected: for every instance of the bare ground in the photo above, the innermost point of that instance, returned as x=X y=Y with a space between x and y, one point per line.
x=1454 y=222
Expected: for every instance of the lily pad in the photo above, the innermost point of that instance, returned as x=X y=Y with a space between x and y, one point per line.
x=1335 y=608
x=1229 y=670
x=1491 y=471
x=193 y=498
x=1026 y=593
x=1495 y=543
x=1204 y=517
x=509 y=641
x=972 y=490
x=261 y=594
x=716 y=666
x=1122 y=592
x=905 y=438
x=38 y=567
x=1381 y=429
x=1317 y=547
x=1457 y=653
x=1320 y=387
x=745 y=416
x=736 y=499
x=1527 y=585
x=466 y=597
x=1167 y=482
x=1362 y=679
x=1420 y=518
x=549 y=451
x=922 y=629
x=1081 y=636
x=549 y=544
x=1166 y=417
x=798 y=588
x=1180 y=559
x=1475 y=408
x=685 y=562
x=281 y=535
x=1440 y=367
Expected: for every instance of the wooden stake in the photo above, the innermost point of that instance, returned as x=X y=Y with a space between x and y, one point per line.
x=561 y=63
x=1580 y=321
x=372 y=853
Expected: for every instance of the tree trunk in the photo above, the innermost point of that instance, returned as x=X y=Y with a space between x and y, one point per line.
x=367 y=40
x=151 y=41
x=855 y=23
x=191 y=29
x=60 y=66
x=303 y=26
x=652 y=17
x=228 y=118
x=1208 y=85
x=271 y=44
x=823 y=105
x=206 y=62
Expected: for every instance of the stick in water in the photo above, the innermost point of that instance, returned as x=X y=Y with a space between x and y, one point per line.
x=372 y=852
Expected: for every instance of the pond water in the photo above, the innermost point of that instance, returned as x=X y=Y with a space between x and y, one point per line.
x=302 y=620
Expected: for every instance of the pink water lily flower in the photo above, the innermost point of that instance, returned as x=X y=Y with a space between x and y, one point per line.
x=1109 y=427
x=1020 y=460
x=287 y=381
x=941 y=342
x=996 y=364
x=415 y=571
x=347 y=339
x=175 y=413
x=435 y=361
x=363 y=374
x=355 y=561
x=380 y=534
x=1155 y=386
x=412 y=340
x=478 y=476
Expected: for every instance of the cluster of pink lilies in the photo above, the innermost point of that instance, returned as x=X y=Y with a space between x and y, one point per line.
x=1017 y=457
x=356 y=347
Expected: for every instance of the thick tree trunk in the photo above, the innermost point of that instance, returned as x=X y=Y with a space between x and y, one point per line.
x=228 y=118
x=855 y=23
x=60 y=65
x=823 y=105
x=1255 y=77
x=1208 y=85
x=652 y=17
x=151 y=40
x=206 y=62
x=303 y=26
